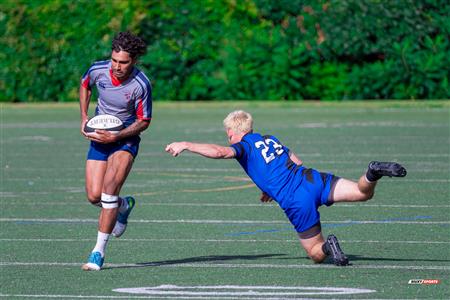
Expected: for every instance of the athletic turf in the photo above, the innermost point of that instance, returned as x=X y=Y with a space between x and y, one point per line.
x=198 y=230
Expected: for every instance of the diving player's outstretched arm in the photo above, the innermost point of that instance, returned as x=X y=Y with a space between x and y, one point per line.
x=207 y=150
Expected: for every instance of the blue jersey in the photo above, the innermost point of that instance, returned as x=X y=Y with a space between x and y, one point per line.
x=267 y=163
x=298 y=190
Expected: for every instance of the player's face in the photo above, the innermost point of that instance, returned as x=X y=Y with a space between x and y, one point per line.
x=121 y=64
x=232 y=137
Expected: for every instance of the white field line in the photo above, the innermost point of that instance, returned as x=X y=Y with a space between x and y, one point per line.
x=361 y=205
x=266 y=205
x=183 y=221
x=235 y=290
x=216 y=241
x=44 y=296
x=211 y=179
x=225 y=265
x=239 y=291
x=59 y=296
x=367 y=155
x=181 y=172
x=79 y=190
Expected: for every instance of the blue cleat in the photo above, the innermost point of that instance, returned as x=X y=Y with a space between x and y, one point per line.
x=95 y=262
x=122 y=218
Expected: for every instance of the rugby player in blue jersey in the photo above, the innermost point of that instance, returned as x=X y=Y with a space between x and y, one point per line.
x=298 y=190
x=125 y=92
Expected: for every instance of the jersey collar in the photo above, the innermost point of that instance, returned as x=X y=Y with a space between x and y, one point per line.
x=116 y=81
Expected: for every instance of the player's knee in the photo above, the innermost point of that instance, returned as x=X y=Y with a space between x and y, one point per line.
x=366 y=196
x=94 y=198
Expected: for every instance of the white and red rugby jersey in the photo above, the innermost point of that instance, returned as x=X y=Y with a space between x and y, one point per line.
x=128 y=100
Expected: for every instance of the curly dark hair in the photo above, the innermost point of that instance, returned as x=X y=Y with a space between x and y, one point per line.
x=128 y=42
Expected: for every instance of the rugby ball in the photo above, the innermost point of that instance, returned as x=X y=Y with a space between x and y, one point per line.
x=104 y=122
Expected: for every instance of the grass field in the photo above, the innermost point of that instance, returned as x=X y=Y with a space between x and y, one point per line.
x=199 y=231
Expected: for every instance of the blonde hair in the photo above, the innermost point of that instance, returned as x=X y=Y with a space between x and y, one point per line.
x=239 y=121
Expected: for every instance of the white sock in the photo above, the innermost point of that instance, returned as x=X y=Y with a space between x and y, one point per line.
x=123 y=205
x=102 y=240
x=369 y=180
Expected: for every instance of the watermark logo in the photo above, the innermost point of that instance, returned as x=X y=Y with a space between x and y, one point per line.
x=424 y=281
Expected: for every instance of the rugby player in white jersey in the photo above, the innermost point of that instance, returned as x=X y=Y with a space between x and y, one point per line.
x=125 y=92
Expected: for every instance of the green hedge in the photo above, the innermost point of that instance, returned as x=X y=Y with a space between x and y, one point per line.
x=247 y=49
x=48 y=45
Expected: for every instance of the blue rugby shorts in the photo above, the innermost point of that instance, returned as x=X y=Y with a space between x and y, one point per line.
x=313 y=192
x=98 y=151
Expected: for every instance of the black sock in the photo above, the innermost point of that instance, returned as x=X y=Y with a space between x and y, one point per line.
x=371 y=176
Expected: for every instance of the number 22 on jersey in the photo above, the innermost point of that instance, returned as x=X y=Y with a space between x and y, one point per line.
x=269 y=148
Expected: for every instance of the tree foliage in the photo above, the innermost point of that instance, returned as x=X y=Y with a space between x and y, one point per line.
x=229 y=49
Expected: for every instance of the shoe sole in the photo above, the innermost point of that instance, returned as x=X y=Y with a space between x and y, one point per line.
x=90 y=267
x=119 y=235
x=393 y=170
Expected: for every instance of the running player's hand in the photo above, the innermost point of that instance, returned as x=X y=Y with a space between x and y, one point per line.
x=83 y=124
x=102 y=136
x=265 y=198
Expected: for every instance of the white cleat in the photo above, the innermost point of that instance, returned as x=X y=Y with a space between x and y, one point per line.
x=90 y=267
x=119 y=229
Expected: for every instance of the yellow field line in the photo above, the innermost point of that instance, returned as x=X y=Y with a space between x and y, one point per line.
x=230 y=178
x=151 y=193
x=230 y=188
